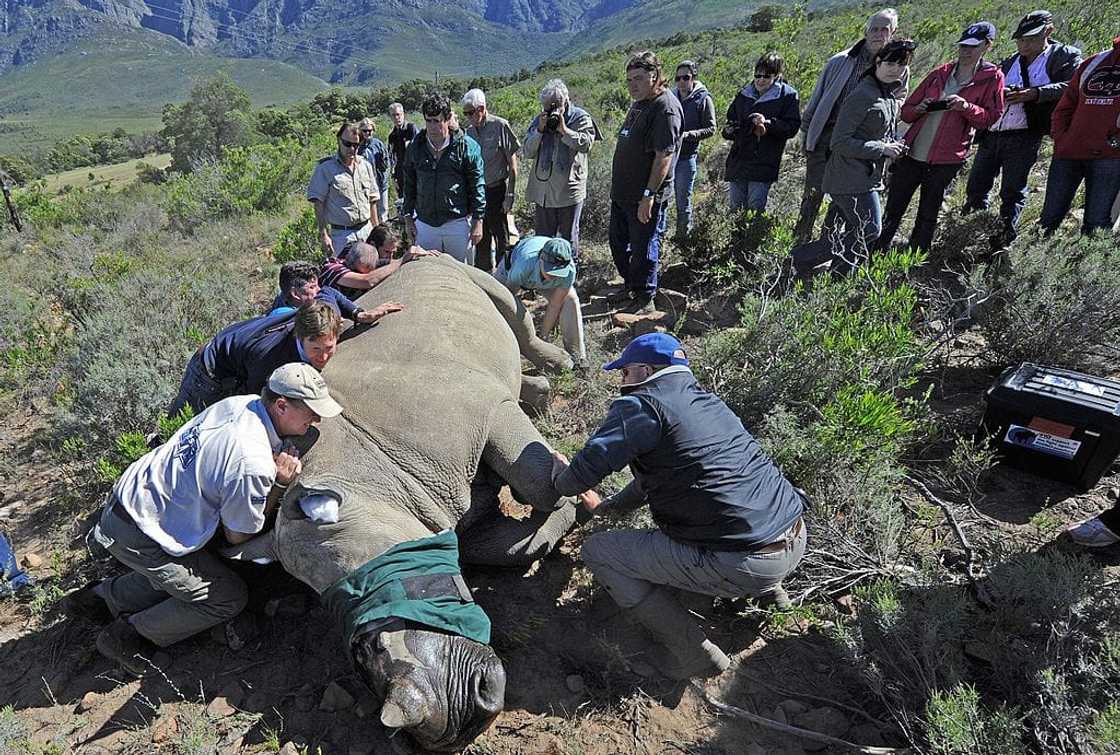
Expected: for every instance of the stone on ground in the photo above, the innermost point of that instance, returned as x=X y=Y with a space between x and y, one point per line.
x=825 y=720
x=219 y=707
x=336 y=698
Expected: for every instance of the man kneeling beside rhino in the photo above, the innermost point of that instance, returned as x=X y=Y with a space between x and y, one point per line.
x=402 y=488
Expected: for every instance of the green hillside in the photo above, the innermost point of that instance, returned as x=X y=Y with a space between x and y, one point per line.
x=123 y=80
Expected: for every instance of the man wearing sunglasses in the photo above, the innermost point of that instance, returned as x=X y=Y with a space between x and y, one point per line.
x=727 y=522
x=345 y=194
x=376 y=154
x=699 y=124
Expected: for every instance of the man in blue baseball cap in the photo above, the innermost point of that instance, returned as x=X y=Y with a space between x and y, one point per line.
x=728 y=522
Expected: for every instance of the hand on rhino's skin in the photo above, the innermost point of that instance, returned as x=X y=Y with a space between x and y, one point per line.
x=442 y=689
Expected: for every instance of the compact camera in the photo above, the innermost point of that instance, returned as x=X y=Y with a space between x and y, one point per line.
x=937 y=105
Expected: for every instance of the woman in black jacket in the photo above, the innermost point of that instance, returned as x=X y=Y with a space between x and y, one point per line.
x=763 y=116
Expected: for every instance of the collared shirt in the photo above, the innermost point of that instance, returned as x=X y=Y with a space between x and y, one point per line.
x=1014 y=118
x=524 y=269
x=216 y=469
x=499 y=145
x=919 y=150
x=345 y=194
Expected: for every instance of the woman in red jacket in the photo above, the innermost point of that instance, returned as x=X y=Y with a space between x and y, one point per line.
x=945 y=110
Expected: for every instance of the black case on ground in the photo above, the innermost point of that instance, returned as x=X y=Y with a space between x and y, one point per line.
x=1057 y=423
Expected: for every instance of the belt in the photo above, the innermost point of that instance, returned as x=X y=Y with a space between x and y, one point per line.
x=781 y=543
x=354 y=227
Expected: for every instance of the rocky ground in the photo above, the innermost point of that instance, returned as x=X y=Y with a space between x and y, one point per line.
x=277 y=680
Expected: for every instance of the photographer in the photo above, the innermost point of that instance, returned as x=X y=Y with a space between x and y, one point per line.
x=946 y=110
x=558 y=141
x=863 y=138
x=760 y=120
x=1036 y=76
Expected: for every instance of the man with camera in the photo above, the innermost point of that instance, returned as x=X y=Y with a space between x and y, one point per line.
x=1035 y=79
x=499 y=161
x=642 y=177
x=558 y=142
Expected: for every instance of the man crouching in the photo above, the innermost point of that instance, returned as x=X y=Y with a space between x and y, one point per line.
x=728 y=522
x=228 y=467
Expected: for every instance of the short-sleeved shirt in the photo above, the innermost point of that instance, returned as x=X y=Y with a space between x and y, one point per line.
x=524 y=269
x=345 y=194
x=217 y=469
x=651 y=126
x=499 y=145
x=331 y=271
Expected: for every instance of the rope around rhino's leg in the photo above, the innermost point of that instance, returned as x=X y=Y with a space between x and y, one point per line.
x=542 y=354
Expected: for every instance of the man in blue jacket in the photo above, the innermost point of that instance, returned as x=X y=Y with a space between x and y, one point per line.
x=728 y=522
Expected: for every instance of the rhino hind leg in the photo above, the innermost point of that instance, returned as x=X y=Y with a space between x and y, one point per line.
x=519 y=455
x=536 y=392
x=500 y=540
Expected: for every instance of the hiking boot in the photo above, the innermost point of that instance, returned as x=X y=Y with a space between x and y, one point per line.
x=88 y=604
x=1093 y=533
x=642 y=305
x=121 y=642
x=777 y=597
x=684 y=651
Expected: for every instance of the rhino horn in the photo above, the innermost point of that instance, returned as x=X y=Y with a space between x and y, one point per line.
x=394 y=716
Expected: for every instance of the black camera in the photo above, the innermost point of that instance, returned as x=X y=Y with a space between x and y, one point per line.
x=937 y=105
x=552 y=120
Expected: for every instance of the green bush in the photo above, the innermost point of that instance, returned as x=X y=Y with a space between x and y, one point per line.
x=734 y=249
x=957 y=723
x=130 y=446
x=38 y=209
x=299 y=239
x=1056 y=302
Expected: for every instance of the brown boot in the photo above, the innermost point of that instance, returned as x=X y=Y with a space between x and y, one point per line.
x=121 y=642
x=686 y=651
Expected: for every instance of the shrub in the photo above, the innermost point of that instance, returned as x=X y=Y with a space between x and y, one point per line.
x=1057 y=302
x=130 y=446
x=37 y=209
x=734 y=249
x=299 y=239
x=594 y=223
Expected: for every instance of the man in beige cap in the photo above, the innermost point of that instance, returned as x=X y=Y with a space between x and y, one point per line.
x=226 y=470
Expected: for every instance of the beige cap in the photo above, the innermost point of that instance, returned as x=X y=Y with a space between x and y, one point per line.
x=302 y=381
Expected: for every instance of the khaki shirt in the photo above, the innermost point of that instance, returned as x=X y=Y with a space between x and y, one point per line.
x=345 y=196
x=499 y=145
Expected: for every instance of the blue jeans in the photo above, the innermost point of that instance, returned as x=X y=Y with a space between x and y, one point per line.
x=684 y=177
x=1013 y=153
x=749 y=194
x=1102 y=183
x=861 y=216
x=636 y=246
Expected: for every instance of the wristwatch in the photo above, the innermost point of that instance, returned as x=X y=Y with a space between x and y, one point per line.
x=647 y=193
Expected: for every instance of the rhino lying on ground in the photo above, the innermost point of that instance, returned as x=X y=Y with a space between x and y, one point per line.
x=430 y=395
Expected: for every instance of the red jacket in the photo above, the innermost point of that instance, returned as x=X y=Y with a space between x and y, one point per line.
x=1088 y=115
x=985 y=106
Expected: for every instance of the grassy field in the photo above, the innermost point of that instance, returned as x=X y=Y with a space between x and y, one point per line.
x=115 y=176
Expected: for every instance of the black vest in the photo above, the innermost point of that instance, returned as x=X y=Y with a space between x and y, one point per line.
x=708 y=482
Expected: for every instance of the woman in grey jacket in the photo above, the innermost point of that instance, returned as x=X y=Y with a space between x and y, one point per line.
x=862 y=140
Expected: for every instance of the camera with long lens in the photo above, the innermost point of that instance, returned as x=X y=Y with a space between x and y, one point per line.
x=552 y=119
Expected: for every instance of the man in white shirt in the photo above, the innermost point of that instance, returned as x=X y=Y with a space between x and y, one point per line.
x=225 y=469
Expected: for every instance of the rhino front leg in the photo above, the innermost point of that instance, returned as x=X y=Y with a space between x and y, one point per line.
x=499 y=540
x=541 y=353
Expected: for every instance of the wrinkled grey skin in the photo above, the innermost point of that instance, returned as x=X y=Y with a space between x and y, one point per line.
x=431 y=398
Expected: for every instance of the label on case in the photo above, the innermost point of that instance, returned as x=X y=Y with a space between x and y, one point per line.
x=1073 y=385
x=1035 y=440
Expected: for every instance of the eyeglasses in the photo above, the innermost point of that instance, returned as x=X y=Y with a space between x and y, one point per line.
x=644 y=76
x=687 y=77
x=367 y=130
x=469 y=111
x=351 y=145
x=764 y=75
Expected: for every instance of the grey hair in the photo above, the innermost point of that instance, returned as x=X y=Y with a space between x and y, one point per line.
x=474 y=98
x=361 y=253
x=888 y=13
x=555 y=88
x=396 y=106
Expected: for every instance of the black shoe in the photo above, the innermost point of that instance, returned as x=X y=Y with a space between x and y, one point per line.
x=121 y=642
x=642 y=305
x=87 y=604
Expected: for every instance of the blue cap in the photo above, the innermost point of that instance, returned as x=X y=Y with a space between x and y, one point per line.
x=977 y=34
x=652 y=348
x=556 y=254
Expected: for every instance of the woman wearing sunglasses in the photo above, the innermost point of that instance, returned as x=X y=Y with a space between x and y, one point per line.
x=699 y=124
x=764 y=115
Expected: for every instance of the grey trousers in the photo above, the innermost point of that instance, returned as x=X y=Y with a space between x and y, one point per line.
x=167 y=598
x=632 y=563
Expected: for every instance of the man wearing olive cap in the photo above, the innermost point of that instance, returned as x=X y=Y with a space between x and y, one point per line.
x=226 y=469
x=728 y=522
x=544 y=265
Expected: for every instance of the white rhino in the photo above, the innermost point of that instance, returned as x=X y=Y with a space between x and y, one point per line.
x=431 y=415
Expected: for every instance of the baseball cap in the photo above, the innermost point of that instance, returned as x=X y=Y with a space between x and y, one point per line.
x=556 y=254
x=302 y=381
x=977 y=34
x=1033 y=23
x=652 y=348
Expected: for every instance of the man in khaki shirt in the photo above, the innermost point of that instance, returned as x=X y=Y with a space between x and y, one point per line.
x=344 y=191
x=499 y=157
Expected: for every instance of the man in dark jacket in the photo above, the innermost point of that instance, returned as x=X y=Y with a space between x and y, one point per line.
x=241 y=357
x=764 y=115
x=1034 y=81
x=728 y=522
x=444 y=189
x=399 y=138
x=642 y=177
x=699 y=124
